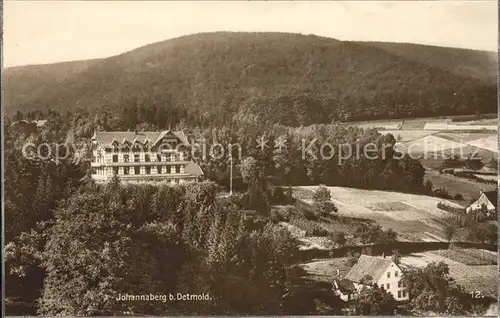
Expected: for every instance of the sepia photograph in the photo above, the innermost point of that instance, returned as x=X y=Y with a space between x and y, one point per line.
x=279 y=158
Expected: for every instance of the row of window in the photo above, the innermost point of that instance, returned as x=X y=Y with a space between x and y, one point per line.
x=147 y=158
x=388 y=286
x=137 y=170
x=402 y=293
x=138 y=148
x=389 y=274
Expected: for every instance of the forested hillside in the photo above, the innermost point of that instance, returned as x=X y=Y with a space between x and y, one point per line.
x=462 y=62
x=282 y=78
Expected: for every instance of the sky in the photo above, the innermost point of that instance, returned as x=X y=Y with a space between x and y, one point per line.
x=40 y=32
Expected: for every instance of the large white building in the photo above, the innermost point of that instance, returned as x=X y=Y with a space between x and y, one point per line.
x=142 y=156
x=381 y=271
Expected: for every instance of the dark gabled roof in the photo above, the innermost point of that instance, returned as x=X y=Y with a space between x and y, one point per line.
x=193 y=168
x=105 y=138
x=368 y=265
x=492 y=196
x=345 y=286
x=486 y=198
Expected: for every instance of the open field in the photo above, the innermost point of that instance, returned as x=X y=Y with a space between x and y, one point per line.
x=463 y=137
x=306 y=242
x=327 y=269
x=464 y=258
x=460 y=122
x=488 y=256
x=408 y=135
x=431 y=147
x=489 y=143
x=486 y=177
x=433 y=139
x=481 y=278
x=468 y=188
x=431 y=144
x=417 y=142
x=414 y=217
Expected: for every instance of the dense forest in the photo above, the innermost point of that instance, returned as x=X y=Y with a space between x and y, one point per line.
x=64 y=233
x=282 y=78
x=72 y=246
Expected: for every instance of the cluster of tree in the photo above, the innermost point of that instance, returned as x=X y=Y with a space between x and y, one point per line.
x=469 y=163
x=432 y=289
x=448 y=208
x=33 y=186
x=116 y=239
x=330 y=154
x=322 y=202
x=473 y=227
x=372 y=233
x=57 y=219
x=374 y=301
x=440 y=192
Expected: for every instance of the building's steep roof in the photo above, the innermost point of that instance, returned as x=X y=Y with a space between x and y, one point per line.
x=368 y=265
x=345 y=286
x=193 y=168
x=105 y=138
x=487 y=198
x=492 y=197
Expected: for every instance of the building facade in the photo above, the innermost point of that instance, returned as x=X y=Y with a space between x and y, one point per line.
x=381 y=271
x=142 y=156
x=487 y=200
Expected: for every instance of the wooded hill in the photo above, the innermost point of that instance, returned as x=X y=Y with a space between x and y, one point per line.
x=290 y=79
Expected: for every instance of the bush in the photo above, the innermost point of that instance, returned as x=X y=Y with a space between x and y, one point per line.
x=278 y=196
x=442 y=193
x=287 y=213
x=282 y=215
x=276 y=216
x=338 y=238
x=367 y=251
x=448 y=208
x=316 y=230
x=373 y=233
x=396 y=256
x=289 y=194
x=322 y=203
x=311 y=228
x=308 y=214
x=458 y=197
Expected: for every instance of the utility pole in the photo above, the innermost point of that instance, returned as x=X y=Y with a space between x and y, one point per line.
x=231 y=174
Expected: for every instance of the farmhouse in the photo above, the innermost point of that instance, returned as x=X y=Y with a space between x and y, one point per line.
x=488 y=199
x=371 y=270
x=142 y=156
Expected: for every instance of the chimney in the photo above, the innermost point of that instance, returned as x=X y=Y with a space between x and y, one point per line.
x=383 y=255
x=481 y=192
x=338 y=272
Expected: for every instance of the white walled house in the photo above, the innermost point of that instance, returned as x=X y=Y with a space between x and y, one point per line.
x=488 y=199
x=142 y=156
x=383 y=271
